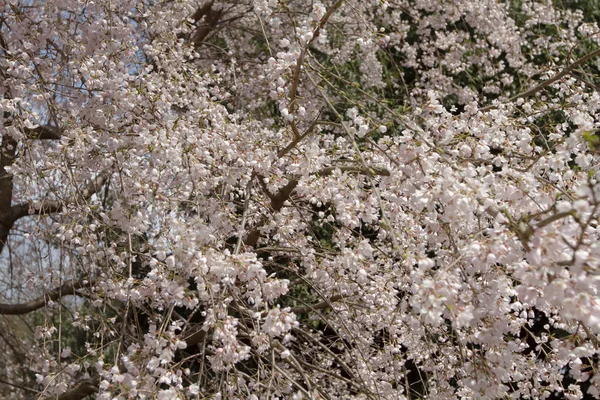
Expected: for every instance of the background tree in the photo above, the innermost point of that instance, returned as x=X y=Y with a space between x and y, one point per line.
x=336 y=199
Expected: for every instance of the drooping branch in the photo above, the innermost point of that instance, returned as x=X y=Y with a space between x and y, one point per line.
x=200 y=334
x=68 y=288
x=284 y=194
x=549 y=81
x=319 y=306
x=300 y=62
x=209 y=18
x=81 y=391
x=355 y=169
x=53 y=206
x=7 y=155
x=15 y=385
x=43 y=132
x=196 y=337
x=277 y=202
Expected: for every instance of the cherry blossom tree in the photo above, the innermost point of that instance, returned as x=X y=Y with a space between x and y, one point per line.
x=255 y=199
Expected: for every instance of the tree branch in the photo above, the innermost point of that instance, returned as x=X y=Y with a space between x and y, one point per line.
x=350 y=168
x=277 y=202
x=318 y=306
x=195 y=338
x=284 y=194
x=547 y=82
x=43 y=132
x=8 y=150
x=53 y=206
x=81 y=391
x=68 y=288
x=7 y=154
x=300 y=62
x=210 y=19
